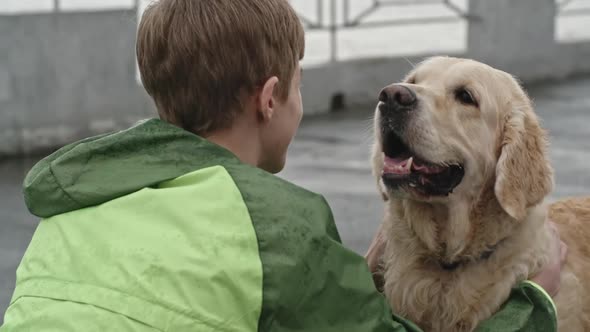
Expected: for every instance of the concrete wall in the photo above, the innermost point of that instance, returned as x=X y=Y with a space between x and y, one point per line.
x=67 y=75
x=64 y=76
x=520 y=38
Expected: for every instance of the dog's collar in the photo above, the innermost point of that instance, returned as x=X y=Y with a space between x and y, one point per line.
x=485 y=255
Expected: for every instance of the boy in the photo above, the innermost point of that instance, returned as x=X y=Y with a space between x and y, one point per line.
x=177 y=224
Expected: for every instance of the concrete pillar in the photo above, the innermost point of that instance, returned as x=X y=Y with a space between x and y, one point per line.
x=515 y=30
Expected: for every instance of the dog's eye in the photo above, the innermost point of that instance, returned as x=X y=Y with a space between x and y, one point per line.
x=465 y=97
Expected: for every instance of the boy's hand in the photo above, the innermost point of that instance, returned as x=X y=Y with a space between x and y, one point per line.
x=550 y=277
x=374 y=258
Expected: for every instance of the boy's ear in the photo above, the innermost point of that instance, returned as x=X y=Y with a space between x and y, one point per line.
x=266 y=102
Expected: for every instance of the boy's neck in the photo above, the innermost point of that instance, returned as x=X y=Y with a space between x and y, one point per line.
x=241 y=139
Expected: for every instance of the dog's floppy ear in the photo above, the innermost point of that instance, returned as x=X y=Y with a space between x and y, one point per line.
x=523 y=174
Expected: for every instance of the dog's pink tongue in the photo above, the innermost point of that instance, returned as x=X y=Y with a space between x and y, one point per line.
x=427 y=169
x=397 y=165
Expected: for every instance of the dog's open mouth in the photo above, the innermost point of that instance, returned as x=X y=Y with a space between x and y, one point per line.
x=402 y=168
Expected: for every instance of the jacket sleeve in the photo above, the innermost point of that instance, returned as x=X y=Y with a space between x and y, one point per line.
x=529 y=308
x=313 y=283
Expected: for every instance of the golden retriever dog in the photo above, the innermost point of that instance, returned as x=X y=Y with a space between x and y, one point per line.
x=461 y=160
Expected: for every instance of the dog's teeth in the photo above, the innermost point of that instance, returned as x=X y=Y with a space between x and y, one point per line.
x=408 y=166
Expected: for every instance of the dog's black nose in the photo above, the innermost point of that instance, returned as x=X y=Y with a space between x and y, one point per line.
x=397 y=95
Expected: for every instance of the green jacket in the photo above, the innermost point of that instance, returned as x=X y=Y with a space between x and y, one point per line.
x=156 y=229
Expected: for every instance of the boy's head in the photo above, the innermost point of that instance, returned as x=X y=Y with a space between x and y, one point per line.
x=202 y=61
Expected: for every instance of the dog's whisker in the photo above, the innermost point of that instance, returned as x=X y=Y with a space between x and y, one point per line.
x=410 y=62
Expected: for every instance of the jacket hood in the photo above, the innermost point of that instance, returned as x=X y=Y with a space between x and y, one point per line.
x=99 y=169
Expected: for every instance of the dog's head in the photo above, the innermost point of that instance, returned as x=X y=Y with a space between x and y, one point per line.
x=452 y=126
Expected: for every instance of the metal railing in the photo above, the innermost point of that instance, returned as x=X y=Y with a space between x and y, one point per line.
x=340 y=17
x=567 y=8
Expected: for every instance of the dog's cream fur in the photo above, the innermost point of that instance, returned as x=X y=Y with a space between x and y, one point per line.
x=499 y=202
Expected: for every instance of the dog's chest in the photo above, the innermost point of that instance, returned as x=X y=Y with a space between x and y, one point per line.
x=442 y=301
